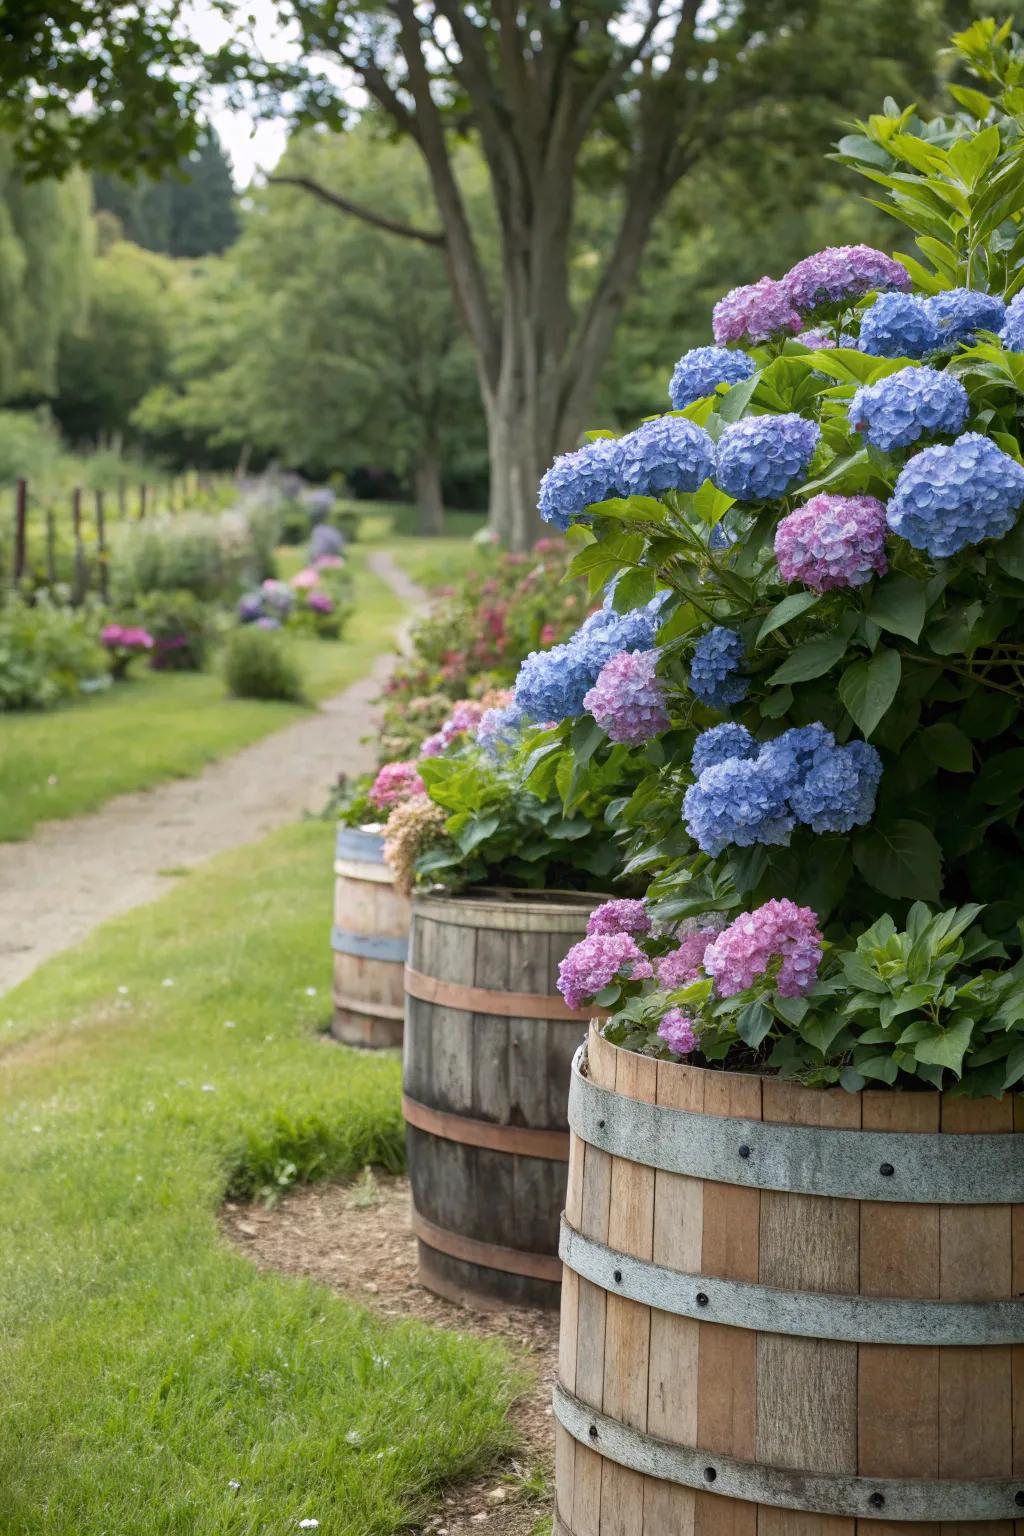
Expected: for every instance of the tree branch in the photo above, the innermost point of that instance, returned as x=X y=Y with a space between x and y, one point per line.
x=433 y=237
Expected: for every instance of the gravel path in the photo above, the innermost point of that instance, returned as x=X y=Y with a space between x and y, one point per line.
x=73 y=875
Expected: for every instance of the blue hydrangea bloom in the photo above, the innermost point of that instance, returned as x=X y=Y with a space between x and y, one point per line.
x=947 y=498
x=499 y=729
x=913 y=403
x=838 y=790
x=670 y=453
x=786 y=758
x=1012 y=333
x=760 y=457
x=959 y=312
x=719 y=744
x=576 y=480
x=551 y=684
x=733 y=803
x=714 y=670
x=700 y=371
x=898 y=325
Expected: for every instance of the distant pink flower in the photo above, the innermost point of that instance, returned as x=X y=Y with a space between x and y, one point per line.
x=395 y=783
x=620 y=916
x=328 y=562
x=548 y=634
x=320 y=602
x=305 y=580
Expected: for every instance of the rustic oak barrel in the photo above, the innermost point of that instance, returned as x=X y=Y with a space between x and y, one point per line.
x=788 y=1312
x=370 y=942
x=488 y=1045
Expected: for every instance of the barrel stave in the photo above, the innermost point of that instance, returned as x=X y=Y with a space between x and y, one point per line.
x=371 y=925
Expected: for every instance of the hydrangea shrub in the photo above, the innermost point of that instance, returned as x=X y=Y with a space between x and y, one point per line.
x=838 y=643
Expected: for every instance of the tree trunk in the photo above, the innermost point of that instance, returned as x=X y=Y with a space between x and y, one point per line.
x=429 y=497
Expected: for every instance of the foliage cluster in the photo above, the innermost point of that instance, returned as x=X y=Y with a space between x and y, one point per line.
x=211 y=556
x=48 y=652
x=259 y=665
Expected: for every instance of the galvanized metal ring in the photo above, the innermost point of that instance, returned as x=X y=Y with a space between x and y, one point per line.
x=807 y=1314
x=369 y=946
x=860 y=1498
x=916 y=1168
x=359 y=843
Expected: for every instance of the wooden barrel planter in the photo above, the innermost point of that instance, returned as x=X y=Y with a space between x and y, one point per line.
x=370 y=940
x=788 y=1312
x=488 y=1045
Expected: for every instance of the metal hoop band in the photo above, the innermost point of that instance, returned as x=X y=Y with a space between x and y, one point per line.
x=807 y=1314
x=512 y=1261
x=357 y=843
x=917 y=1168
x=862 y=1498
x=509 y=1005
x=521 y=1140
x=369 y=946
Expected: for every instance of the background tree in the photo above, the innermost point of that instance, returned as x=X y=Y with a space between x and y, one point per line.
x=188 y=211
x=329 y=344
x=45 y=251
x=631 y=97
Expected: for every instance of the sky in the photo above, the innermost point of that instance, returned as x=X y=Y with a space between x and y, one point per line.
x=252 y=146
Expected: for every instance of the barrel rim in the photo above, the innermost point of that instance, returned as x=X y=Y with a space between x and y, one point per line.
x=483 y=899
x=916 y=1168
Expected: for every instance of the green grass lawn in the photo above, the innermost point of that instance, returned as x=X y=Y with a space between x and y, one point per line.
x=167 y=725
x=152 y=1382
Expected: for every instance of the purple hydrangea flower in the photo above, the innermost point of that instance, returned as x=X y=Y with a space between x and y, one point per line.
x=898 y=325
x=736 y=804
x=947 y=498
x=325 y=540
x=780 y=930
x=824 y=341
x=1012 y=332
x=913 y=403
x=699 y=372
x=760 y=457
x=595 y=961
x=250 y=607
x=576 y=480
x=838 y=791
x=677 y=1031
x=754 y=312
x=627 y=701
x=620 y=916
x=684 y=964
x=719 y=744
x=268 y=623
x=840 y=274
x=833 y=541
x=670 y=453
x=499 y=729
x=714 y=670
x=959 y=312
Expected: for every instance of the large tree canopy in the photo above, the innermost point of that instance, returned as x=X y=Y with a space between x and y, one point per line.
x=188 y=211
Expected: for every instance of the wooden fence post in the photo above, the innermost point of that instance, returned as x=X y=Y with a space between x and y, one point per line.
x=80 y=579
x=101 y=544
x=142 y=503
x=20 y=528
x=51 y=547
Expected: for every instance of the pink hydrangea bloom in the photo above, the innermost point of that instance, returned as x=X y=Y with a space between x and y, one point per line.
x=595 y=961
x=677 y=1031
x=745 y=949
x=127 y=637
x=320 y=602
x=306 y=580
x=833 y=541
x=434 y=745
x=462 y=721
x=395 y=783
x=754 y=313
x=622 y=916
x=627 y=701
x=328 y=562
x=683 y=965
x=840 y=274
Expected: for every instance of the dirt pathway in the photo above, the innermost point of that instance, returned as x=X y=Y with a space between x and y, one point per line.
x=73 y=875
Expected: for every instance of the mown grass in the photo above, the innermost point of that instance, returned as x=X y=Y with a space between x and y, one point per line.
x=146 y=1368
x=159 y=726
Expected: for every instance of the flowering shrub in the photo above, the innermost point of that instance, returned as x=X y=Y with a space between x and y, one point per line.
x=123 y=643
x=48 y=652
x=183 y=630
x=317 y=600
x=839 y=643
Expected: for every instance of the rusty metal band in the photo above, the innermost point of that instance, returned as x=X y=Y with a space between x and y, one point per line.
x=522 y=1140
x=512 y=1261
x=861 y=1498
x=913 y=1168
x=369 y=946
x=510 y=1005
x=806 y=1314
x=364 y=1006
x=354 y=869
x=360 y=844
